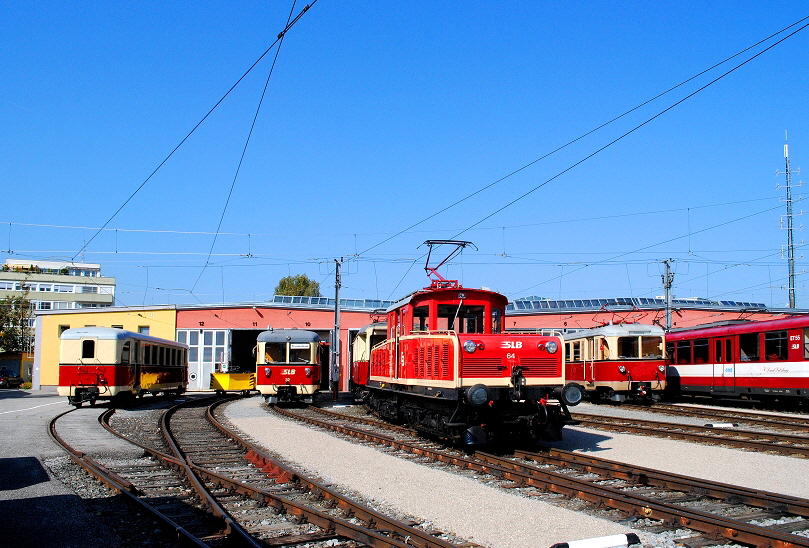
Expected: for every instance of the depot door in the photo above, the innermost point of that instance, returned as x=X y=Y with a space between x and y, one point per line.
x=208 y=352
x=724 y=365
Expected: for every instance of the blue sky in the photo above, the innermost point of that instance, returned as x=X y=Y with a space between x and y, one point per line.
x=379 y=115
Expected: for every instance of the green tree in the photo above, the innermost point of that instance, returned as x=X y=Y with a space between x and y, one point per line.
x=15 y=333
x=299 y=285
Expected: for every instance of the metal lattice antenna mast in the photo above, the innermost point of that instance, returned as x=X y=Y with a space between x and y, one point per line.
x=790 y=222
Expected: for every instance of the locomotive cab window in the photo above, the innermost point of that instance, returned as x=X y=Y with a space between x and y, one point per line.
x=497 y=316
x=420 y=315
x=775 y=345
x=275 y=353
x=651 y=347
x=88 y=349
x=460 y=318
x=300 y=353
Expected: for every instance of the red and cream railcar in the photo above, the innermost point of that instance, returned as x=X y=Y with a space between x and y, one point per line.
x=367 y=337
x=616 y=362
x=288 y=365
x=447 y=368
x=104 y=362
x=767 y=360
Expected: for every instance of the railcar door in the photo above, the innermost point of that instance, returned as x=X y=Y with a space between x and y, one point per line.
x=724 y=365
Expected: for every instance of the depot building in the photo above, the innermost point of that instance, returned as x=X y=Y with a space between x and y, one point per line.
x=222 y=337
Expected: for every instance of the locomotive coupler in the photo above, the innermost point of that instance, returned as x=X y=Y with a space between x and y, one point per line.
x=517 y=381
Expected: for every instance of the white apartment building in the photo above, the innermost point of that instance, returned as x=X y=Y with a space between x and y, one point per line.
x=57 y=285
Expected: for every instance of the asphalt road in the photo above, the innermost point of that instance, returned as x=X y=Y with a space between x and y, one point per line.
x=37 y=509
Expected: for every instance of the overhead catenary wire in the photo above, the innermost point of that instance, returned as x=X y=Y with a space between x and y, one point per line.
x=244 y=149
x=605 y=124
x=205 y=117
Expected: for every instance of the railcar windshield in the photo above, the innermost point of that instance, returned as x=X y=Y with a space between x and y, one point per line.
x=651 y=347
x=628 y=347
x=275 y=353
x=300 y=353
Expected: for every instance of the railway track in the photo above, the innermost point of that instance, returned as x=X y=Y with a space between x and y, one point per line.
x=651 y=500
x=790 y=423
x=770 y=442
x=211 y=487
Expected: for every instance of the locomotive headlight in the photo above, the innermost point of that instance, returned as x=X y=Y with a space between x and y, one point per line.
x=267 y=372
x=478 y=395
x=661 y=368
x=551 y=347
x=308 y=371
x=470 y=346
x=622 y=369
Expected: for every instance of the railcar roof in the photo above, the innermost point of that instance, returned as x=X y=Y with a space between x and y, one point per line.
x=288 y=335
x=631 y=330
x=795 y=322
x=113 y=334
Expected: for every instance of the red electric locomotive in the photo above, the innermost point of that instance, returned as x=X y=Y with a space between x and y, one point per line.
x=288 y=365
x=103 y=362
x=616 y=362
x=767 y=360
x=446 y=368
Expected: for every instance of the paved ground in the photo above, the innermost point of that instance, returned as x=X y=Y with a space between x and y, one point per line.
x=37 y=509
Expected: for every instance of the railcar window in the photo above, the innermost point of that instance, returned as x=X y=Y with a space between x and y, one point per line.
x=651 y=347
x=775 y=345
x=683 y=352
x=701 y=351
x=670 y=350
x=748 y=347
x=420 y=314
x=162 y=359
x=147 y=354
x=125 y=354
x=88 y=349
x=577 y=351
x=300 y=353
x=605 y=349
x=275 y=352
x=806 y=344
x=627 y=347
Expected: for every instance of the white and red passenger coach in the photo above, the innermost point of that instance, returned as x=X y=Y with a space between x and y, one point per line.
x=97 y=363
x=767 y=360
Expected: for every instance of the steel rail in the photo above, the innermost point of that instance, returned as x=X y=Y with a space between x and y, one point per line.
x=745 y=439
x=659 y=478
x=554 y=482
x=234 y=531
x=120 y=485
x=759 y=419
x=261 y=459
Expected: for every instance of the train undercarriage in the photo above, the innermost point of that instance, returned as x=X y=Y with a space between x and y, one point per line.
x=459 y=421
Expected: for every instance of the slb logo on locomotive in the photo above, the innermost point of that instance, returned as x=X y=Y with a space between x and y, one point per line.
x=511 y=344
x=288 y=372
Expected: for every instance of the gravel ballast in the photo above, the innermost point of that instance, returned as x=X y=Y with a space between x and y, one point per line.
x=464 y=507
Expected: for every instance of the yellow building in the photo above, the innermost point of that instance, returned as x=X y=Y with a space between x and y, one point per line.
x=157 y=321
